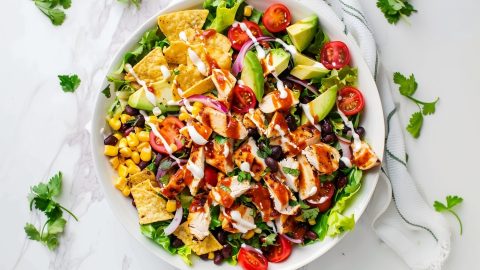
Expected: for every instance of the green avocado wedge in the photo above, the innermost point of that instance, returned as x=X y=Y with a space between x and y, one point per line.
x=252 y=74
x=139 y=100
x=278 y=60
x=321 y=106
x=302 y=32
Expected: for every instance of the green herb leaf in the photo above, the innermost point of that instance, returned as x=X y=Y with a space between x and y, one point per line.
x=452 y=201
x=269 y=240
x=48 y=7
x=408 y=86
x=291 y=171
x=393 y=10
x=136 y=3
x=415 y=124
x=32 y=232
x=66 y=4
x=56 y=226
x=242 y=176
x=429 y=107
x=311 y=213
x=69 y=83
x=220 y=139
x=227 y=189
x=106 y=92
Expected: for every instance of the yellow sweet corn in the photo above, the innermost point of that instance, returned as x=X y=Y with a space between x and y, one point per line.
x=248 y=235
x=129 y=163
x=299 y=218
x=152 y=119
x=132 y=140
x=119 y=136
x=247 y=12
x=125 y=117
x=146 y=154
x=120 y=183
x=197 y=107
x=258 y=230
x=312 y=222
x=126 y=152
x=122 y=143
x=183 y=116
x=133 y=169
x=142 y=145
x=122 y=170
x=110 y=150
x=126 y=191
x=143 y=136
x=135 y=157
x=115 y=123
x=115 y=162
x=171 y=206
x=174 y=147
x=137 y=130
x=211 y=255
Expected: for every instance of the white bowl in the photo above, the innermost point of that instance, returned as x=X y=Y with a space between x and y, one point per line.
x=372 y=121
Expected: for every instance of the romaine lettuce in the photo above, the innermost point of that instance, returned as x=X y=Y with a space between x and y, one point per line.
x=224 y=14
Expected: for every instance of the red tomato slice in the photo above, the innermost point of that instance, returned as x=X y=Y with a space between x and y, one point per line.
x=335 y=55
x=276 y=18
x=279 y=252
x=243 y=99
x=250 y=259
x=211 y=175
x=238 y=37
x=169 y=128
x=351 y=101
x=323 y=199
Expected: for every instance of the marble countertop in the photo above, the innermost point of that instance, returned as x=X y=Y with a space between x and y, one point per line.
x=44 y=129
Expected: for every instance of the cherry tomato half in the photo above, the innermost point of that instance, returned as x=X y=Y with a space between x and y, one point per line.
x=250 y=259
x=276 y=18
x=243 y=99
x=279 y=252
x=335 y=55
x=351 y=101
x=238 y=37
x=211 y=175
x=323 y=199
x=169 y=128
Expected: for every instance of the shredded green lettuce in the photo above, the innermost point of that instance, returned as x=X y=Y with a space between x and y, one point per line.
x=222 y=13
x=185 y=252
x=346 y=76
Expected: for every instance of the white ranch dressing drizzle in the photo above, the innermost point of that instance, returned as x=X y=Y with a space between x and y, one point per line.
x=260 y=50
x=240 y=82
x=290 y=48
x=202 y=68
x=156 y=111
x=149 y=95
x=357 y=143
x=284 y=139
x=187 y=105
x=196 y=137
x=165 y=72
x=280 y=87
x=226 y=150
x=183 y=36
x=346 y=161
x=308 y=114
x=173 y=103
x=272 y=225
x=196 y=171
x=245 y=166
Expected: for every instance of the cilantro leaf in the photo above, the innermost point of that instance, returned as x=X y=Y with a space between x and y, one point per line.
x=32 y=232
x=452 y=201
x=269 y=240
x=429 y=107
x=393 y=10
x=242 y=176
x=47 y=7
x=66 y=4
x=220 y=139
x=69 y=83
x=415 y=124
x=291 y=171
x=311 y=213
x=408 y=86
x=136 y=3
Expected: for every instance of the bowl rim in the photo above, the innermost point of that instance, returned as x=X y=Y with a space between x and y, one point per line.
x=334 y=24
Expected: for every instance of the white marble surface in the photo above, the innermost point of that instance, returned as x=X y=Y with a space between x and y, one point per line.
x=43 y=129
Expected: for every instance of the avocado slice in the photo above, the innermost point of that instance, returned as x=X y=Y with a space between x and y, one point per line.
x=302 y=32
x=278 y=60
x=252 y=74
x=139 y=100
x=308 y=72
x=321 y=106
x=300 y=59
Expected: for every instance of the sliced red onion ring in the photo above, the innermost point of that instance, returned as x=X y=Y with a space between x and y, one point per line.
x=250 y=248
x=310 y=87
x=293 y=240
x=177 y=219
x=217 y=105
x=343 y=139
x=161 y=173
x=238 y=64
x=345 y=145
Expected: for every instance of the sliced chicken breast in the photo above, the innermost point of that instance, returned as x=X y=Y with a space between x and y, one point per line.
x=255 y=119
x=281 y=195
x=364 y=158
x=224 y=81
x=285 y=224
x=195 y=168
x=323 y=157
x=223 y=124
x=292 y=144
x=246 y=158
x=175 y=184
x=273 y=102
x=239 y=219
x=277 y=127
x=228 y=189
x=260 y=197
x=219 y=155
x=199 y=218
x=291 y=171
x=308 y=181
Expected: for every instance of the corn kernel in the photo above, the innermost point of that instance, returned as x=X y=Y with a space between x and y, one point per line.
x=126 y=152
x=126 y=191
x=196 y=111
x=114 y=123
x=135 y=157
x=120 y=183
x=115 y=162
x=152 y=119
x=299 y=218
x=133 y=169
x=248 y=235
x=125 y=118
x=143 y=136
x=142 y=145
x=312 y=222
x=211 y=255
x=174 y=147
x=247 y=12
x=122 y=143
x=146 y=154
x=171 y=206
x=110 y=150
x=132 y=140
x=119 y=136
x=129 y=163
x=183 y=116
x=137 y=130
x=122 y=170
x=258 y=230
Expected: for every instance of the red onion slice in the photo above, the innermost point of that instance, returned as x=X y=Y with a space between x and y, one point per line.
x=293 y=240
x=345 y=145
x=238 y=64
x=217 y=105
x=311 y=88
x=177 y=219
x=250 y=248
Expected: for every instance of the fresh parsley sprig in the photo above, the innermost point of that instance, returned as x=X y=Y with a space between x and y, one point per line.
x=393 y=10
x=452 y=201
x=41 y=197
x=408 y=87
x=69 y=83
x=51 y=8
x=136 y=3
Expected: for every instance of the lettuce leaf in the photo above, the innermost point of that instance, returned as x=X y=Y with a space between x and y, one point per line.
x=224 y=13
x=346 y=76
x=185 y=252
x=338 y=222
x=158 y=236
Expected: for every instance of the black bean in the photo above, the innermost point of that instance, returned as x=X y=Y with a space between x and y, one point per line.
x=277 y=152
x=176 y=243
x=227 y=251
x=140 y=121
x=341 y=164
x=110 y=140
x=204 y=257
x=143 y=164
x=123 y=127
x=131 y=111
x=272 y=164
x=222 y=237
x=329 y=138
x=127 y=131
x=360 y=131
x=341 y=181
x=218 y=259
x=292 y=124
x=311 y=235
x=252 y=132
x=326 y=127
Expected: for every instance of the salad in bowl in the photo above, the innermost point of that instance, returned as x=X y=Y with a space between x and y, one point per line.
x=236 y=133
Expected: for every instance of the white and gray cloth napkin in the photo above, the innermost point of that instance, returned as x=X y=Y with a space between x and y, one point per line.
x=399 y=214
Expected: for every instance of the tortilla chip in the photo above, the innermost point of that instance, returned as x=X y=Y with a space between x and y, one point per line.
x=200 y=51
x=218 y=41
x=207 y=245
x=150 y=205
x=223 y=59
x=148 y=69
x=188 y=76
x=173 y=23
x=200 y=87
x=145 y=175
x=176 y=53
